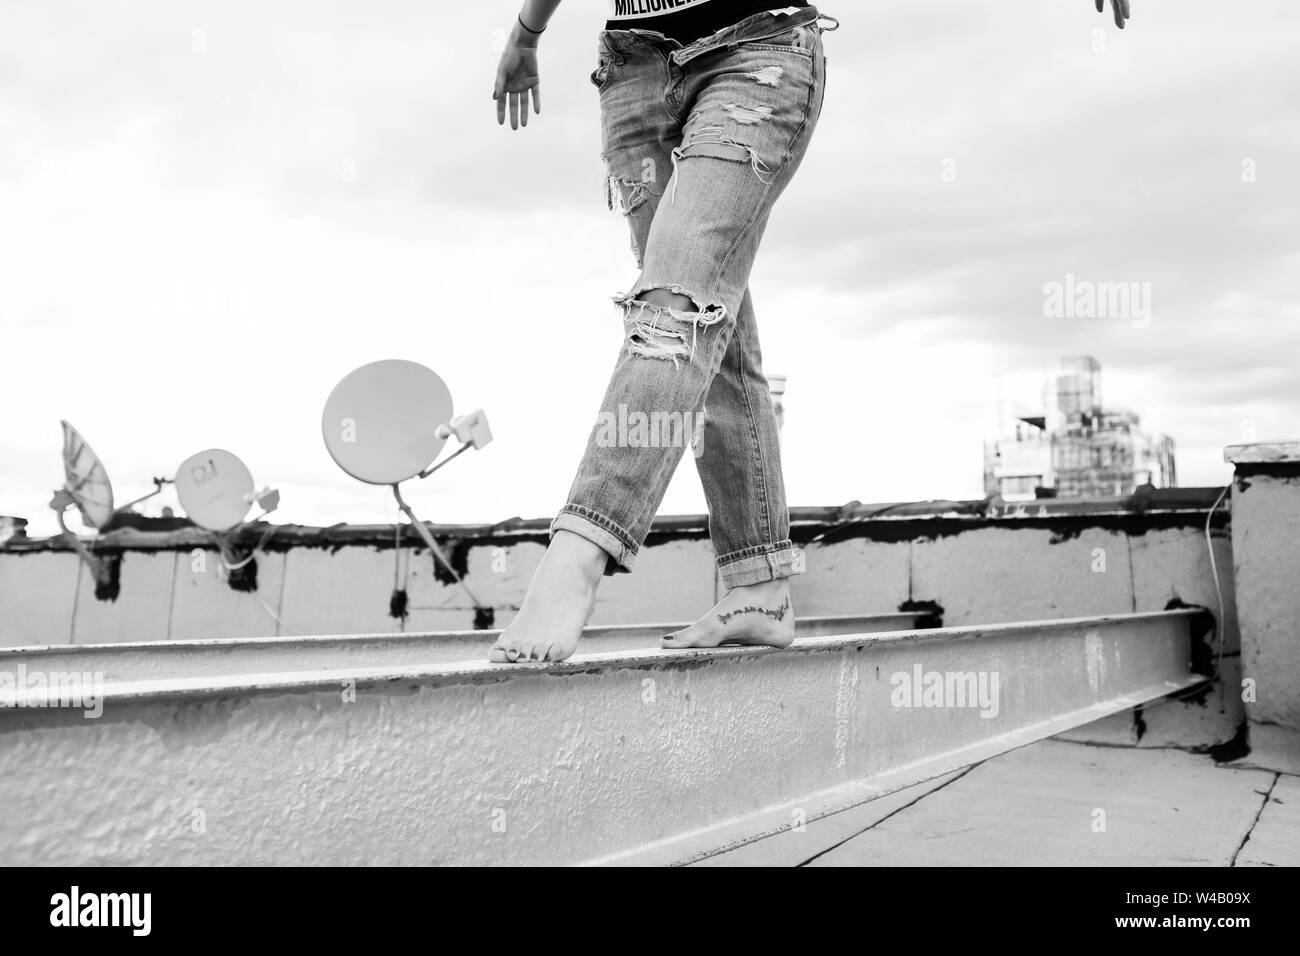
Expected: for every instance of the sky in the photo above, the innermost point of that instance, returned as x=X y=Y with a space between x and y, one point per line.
x=210 y=212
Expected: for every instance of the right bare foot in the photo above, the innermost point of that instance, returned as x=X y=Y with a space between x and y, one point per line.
x=559 y=601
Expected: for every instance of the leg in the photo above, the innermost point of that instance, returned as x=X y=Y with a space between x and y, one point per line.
x=752 y=113
x=740 y=466
x=639 y=135
x=743 y=140
x=749 y=522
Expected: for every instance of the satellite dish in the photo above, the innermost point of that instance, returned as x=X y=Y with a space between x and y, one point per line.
x=215 y=488
x=86 y=486
x=386 y=422
x=85 y=479
x=381 y=422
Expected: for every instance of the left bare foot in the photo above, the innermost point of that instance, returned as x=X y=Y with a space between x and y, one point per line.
x=758 y=614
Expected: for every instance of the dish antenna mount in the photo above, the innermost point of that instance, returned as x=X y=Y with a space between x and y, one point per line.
x=87 y=488
x=386 y=422
x=216 y=492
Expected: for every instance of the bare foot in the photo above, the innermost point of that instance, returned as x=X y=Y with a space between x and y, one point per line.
x=756 y=614
x=557 y=605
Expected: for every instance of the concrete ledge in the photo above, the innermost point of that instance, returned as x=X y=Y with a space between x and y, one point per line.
x=1266 y=575
x=805 y=522
x=1263 y=453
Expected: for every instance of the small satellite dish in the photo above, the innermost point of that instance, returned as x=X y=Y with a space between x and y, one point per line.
x=85 y=479
x=215 y=488
x=381 y=422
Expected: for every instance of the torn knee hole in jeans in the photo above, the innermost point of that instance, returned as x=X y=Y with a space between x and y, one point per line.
x=625 y=193
x=659 y=331
x=710 y=142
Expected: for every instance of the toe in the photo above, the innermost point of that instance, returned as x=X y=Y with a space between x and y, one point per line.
x=676 y=639
x=505 y=654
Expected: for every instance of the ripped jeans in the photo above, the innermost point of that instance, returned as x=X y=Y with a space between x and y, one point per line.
x=699 y=141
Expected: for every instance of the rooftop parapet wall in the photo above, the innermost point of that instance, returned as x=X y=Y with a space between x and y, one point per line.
x=966 y=562
x=1266 y=552
x=974 y=561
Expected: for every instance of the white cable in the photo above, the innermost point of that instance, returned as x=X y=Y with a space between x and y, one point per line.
x=1214 y=570
x=271 y=611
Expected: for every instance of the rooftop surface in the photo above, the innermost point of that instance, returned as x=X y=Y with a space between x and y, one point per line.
x=1059 y=803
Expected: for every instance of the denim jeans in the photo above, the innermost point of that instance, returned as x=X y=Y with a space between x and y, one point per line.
x=699 y=141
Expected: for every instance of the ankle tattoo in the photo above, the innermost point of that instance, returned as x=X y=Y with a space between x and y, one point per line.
x=775 y=613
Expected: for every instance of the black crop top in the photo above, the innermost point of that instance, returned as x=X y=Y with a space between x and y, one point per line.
x=687 y=20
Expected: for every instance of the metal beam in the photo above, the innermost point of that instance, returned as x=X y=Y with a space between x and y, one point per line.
x=626 y=757
x=159 y=660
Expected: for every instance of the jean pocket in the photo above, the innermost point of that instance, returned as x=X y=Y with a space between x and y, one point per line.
x=801 y=39
x=604 y=71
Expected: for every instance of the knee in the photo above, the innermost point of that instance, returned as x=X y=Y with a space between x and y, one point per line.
x=667 y=299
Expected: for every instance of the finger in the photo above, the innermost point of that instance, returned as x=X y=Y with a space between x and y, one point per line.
x=501 y=109
x=523 y=108
x=514 y=110
x=1119 y=13
x=499 y=83
x=537 y=99
x=1127 y=13
x=1101 y=6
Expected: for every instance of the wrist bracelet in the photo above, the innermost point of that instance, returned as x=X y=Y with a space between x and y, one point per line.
x=528 y=28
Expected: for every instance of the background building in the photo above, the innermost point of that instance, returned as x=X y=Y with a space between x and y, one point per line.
x=1077 y=448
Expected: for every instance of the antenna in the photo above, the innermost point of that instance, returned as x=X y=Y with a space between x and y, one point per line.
x=86 y=486
x=85 y=480
x=216 y=491
x=386 y=422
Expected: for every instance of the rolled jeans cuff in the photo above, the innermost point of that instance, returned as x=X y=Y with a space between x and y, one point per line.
x=756 y=565
x=600 y=531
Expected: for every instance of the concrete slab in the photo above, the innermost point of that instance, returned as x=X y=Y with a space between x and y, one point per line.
x=1265 y=527
x=673 y=581
x=1206 y=718
x=1171 y=564
x=38 y=598
x=1086 y=574
x=796 y=847
x=203 y=603
x=1117 y=730
x=1275 y=841
x=147 y=579
x=313 y=601
x=1061 y=804
x=847 y=577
